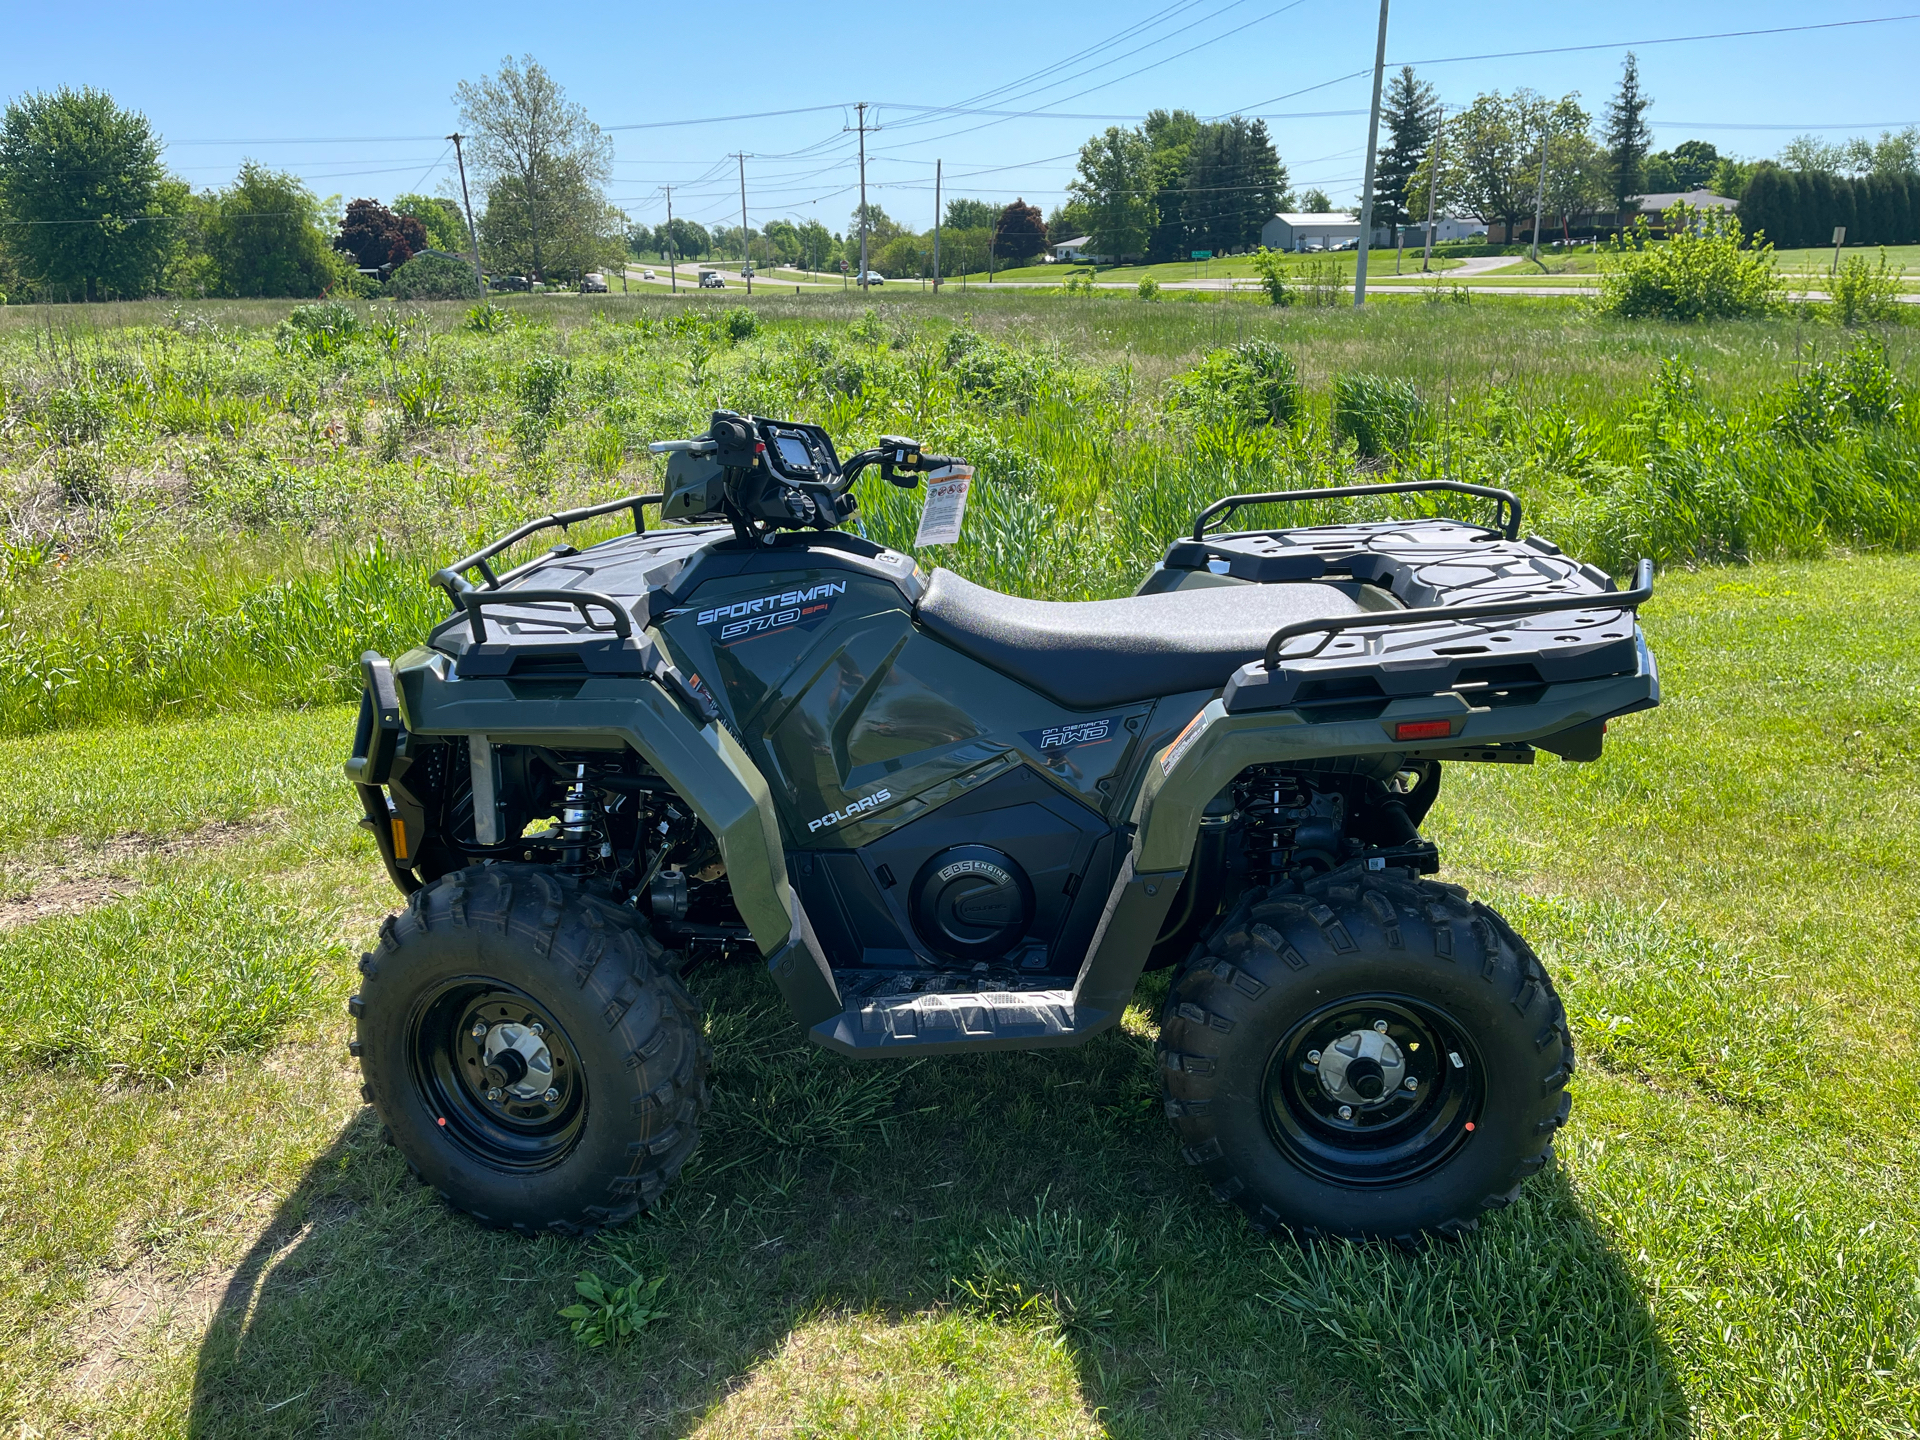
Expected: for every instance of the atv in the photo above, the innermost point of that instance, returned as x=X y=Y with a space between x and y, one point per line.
x=950 y=820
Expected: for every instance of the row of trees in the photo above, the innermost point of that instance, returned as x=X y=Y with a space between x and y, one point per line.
x=1799 y=208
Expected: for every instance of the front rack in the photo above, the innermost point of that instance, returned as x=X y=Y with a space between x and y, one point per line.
x=1508 y=519
x=1435 y=614
x=453 y=579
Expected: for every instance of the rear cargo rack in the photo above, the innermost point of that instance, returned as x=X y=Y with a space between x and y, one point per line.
x=453 y=579
x=585 y=601
x=1437 y=614
x=1508 y=520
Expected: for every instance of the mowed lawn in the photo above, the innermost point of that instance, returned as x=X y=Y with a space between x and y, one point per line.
x=201 y=1233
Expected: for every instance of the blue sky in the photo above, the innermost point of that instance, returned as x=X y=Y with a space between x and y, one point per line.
x=356 y=102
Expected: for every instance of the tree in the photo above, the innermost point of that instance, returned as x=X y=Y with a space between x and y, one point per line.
x=377 y=238
x=564 y=227
x=688 y=240
x=1020 y=231
x=1409 y=108
x=1069 y=222
x=1235 y=184
x=1114 y=183
x=1628 y=137
x=528 y=133
x=82 y=190
x=1316 y=202
x=1491 y=161
x=1811 y=155
x=265 y=237
x=1171 y=134
x=434 y=277
x=1893 y=155
x=816 y=245
x=1730 y=177
x=439 y=217
x=970 y=215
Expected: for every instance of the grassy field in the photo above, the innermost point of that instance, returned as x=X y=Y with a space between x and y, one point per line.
x=210 y=510
x=1224 y=267
x=1010 y=1246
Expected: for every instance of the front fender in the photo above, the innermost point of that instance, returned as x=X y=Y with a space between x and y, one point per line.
x=703 y=763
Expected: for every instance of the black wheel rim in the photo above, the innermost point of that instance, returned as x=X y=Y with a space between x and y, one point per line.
x=498 y=1075
x=1370 y=1127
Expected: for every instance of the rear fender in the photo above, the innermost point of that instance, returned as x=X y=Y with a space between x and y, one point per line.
x=703 y=763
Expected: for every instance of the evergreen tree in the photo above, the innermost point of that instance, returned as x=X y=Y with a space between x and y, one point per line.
x=1235 y=184
x=1409 y=108
x=1628 y=137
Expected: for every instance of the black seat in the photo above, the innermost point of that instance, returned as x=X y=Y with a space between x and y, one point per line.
x=1090 y=653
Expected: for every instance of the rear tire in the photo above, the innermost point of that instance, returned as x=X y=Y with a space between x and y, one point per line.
x=1439 y=1058
x=533 y=1056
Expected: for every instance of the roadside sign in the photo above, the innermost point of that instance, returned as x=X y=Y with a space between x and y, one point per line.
x=1839 y=234
x=1203 y=254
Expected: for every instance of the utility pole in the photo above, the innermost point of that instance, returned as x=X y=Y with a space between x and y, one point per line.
x=862 y=127
x=1373 y=141
x=746 y=248
x=472 y=234
x=1540 y=191
x=936 y=227
x=673 y=277
x=1433 y=181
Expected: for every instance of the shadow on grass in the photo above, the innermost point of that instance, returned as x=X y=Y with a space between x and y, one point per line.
x=971 y=1246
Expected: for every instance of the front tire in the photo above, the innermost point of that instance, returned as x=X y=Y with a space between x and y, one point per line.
x=531 y=1052
x=1373 y=1057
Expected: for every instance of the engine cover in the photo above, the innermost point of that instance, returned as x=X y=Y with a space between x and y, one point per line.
x=971 y=902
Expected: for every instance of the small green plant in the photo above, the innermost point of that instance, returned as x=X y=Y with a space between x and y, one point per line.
x=605 y=451
x=1865 y=294
x=1271 y=267
x=423 y=399
x=1080 y=282
x=1148 y=288
x=613 y=1314
x=738 y=323
x=1380 y=415
x=1701 y=272
x=487 y=318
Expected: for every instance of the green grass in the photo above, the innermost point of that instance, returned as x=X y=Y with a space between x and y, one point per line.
x=217 y=1244
x=205 y=507
x=1221 y=267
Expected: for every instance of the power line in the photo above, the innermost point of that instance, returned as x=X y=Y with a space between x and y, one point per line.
x=1665 y=40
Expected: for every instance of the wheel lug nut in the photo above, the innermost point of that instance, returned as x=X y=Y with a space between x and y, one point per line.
x=1313 y=1057
x=479 y=1030
x=495 y=1094
x=551 y=1096
x=537 y=1028
x=1381 y=1026
x=1346 y=1112
x=1413 y=1082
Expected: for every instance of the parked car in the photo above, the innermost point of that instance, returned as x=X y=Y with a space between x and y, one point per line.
x=593 y=283
x=874 y=277
x=710 y=280
x=510 y=282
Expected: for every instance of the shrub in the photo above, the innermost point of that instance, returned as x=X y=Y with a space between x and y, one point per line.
x=1270 y=266
x=1255 y=382
x=1380 y=415
x=738 y=323
x=1701 y=273
x=1864 y=293
x=434 y=277
x=488 y=318
x=1149 y=288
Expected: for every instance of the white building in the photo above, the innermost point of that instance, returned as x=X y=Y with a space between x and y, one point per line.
x=1075 y=252
x=1334 y=230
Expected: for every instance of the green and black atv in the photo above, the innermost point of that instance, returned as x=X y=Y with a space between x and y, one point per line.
x=950 y=820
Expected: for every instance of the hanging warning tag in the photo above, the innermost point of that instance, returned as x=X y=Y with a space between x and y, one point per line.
x=946 y=505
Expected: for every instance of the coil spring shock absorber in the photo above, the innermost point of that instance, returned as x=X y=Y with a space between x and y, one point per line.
x=1270 y=803
x=580 y=825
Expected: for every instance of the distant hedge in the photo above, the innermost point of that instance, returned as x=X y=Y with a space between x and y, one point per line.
x=434 y=277
x=1796 y=208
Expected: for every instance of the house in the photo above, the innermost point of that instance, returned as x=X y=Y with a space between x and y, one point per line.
x=1334 y=230
x=1654 y=207
x=1445 y=228
x=1075 y=252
